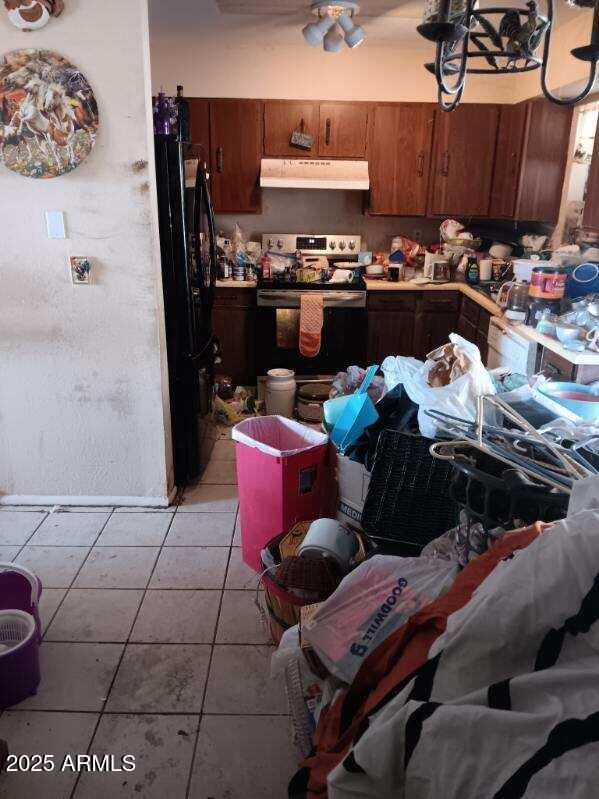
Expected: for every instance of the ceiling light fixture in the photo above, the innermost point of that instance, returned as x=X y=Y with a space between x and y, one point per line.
x=333 y=14
x=507 y=40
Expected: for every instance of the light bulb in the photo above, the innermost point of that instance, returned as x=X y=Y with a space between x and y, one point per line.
x=333 y=41
x=314 y=32
x=354 y=34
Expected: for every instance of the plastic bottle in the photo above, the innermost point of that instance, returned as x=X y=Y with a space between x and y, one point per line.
x=472 y=271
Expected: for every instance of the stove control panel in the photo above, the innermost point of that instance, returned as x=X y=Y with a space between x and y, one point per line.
x=311 y=244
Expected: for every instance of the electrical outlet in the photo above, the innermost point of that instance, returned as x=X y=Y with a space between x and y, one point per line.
x=417 y=235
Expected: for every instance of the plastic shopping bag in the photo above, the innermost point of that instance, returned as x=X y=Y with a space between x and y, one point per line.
x=457 y=398
x=371 y=603
x=306 y=693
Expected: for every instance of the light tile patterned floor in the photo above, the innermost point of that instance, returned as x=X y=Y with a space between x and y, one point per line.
x=153 y=646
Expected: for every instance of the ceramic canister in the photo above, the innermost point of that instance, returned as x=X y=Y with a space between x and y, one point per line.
x=280 y=392
x=548 y=283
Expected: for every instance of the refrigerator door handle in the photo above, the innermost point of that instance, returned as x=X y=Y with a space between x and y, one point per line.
x=203 y=208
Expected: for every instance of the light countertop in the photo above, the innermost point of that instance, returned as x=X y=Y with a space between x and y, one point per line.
x=584 y=358
x=235 y=284
x=407 y=285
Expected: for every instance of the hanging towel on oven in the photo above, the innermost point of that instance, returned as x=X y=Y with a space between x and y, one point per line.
x=311 y=319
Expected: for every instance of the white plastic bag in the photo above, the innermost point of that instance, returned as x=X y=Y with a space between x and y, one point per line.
x=303 y=688
x=585 y=495
x=277 y=436
x=371 y=603
x=457 y=398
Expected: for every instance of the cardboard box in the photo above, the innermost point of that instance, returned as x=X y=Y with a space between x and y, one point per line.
x=353 y=480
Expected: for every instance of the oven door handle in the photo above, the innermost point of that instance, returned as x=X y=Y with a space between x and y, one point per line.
x=282 y=297
x=292 y=299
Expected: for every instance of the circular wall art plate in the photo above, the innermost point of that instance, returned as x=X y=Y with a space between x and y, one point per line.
x=48 y=114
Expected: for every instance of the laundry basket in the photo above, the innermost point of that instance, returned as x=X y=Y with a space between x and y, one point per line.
x=284 y=477
x=408 y=502
x=19 y=657
x=20 y=589
x=284 y=607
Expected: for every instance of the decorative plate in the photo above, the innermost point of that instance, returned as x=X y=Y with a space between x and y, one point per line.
x=48 y=114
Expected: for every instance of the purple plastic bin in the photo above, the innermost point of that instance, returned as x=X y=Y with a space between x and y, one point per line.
x=19 y=664
x=20 y=589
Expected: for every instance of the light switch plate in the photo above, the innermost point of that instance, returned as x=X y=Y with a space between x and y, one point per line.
x=55 y=225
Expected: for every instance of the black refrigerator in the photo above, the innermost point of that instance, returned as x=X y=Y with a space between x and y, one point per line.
x=188 y=251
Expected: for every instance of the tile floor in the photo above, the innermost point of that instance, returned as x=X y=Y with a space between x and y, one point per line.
x=153 y=647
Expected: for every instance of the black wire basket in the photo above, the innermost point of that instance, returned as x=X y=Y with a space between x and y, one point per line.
x=408 y=502
x=498 y=496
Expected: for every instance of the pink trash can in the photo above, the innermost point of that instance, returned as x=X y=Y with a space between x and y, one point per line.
x=284 y=477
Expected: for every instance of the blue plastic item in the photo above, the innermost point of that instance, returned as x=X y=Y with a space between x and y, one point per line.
x=357 y=413
x=583 y=280
x=586 y=409
x=333 y=408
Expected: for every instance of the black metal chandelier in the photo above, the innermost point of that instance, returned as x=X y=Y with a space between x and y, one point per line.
x=496 y=41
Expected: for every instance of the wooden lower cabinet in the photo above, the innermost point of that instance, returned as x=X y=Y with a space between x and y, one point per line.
x=431 y=331
x=389 y=333
x=234 y=322
x=482 y=334
x=473 y=325
x=436 y=318
x=390 y=324
x=466 y=329
x=405 y=323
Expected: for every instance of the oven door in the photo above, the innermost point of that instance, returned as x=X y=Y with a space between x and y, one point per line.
x=343 y=334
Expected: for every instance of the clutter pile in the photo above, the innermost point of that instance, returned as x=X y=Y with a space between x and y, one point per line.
x=429 y=562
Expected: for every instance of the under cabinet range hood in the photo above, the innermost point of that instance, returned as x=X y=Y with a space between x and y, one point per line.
x=308 y=173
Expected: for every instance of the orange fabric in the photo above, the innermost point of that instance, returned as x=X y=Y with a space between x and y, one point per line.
x=311 y=321
x=394 y=660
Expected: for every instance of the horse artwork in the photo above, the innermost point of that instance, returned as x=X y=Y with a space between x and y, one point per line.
x=48 y=114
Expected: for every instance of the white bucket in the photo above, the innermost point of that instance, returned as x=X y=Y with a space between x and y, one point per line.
x=280 y=392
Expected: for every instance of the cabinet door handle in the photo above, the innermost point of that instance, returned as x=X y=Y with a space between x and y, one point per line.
x=327 y=135
x=420 y=164
x=445 y=164
x=219 y=159
x=514 y=163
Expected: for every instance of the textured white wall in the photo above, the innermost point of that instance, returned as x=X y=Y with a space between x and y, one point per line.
x=213 y=61
x=83 y=382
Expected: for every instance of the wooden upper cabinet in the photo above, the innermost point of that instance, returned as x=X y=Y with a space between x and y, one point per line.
x=544 y=159
x=235 y=155
x=340 y=130
x=199 y=124
x=510 y=142
x=590 y=215
x=464 y=153
x=343 y=130
x=400 y=158
x=281 y=119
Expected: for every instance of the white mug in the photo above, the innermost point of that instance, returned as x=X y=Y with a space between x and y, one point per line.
x=486 y=269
